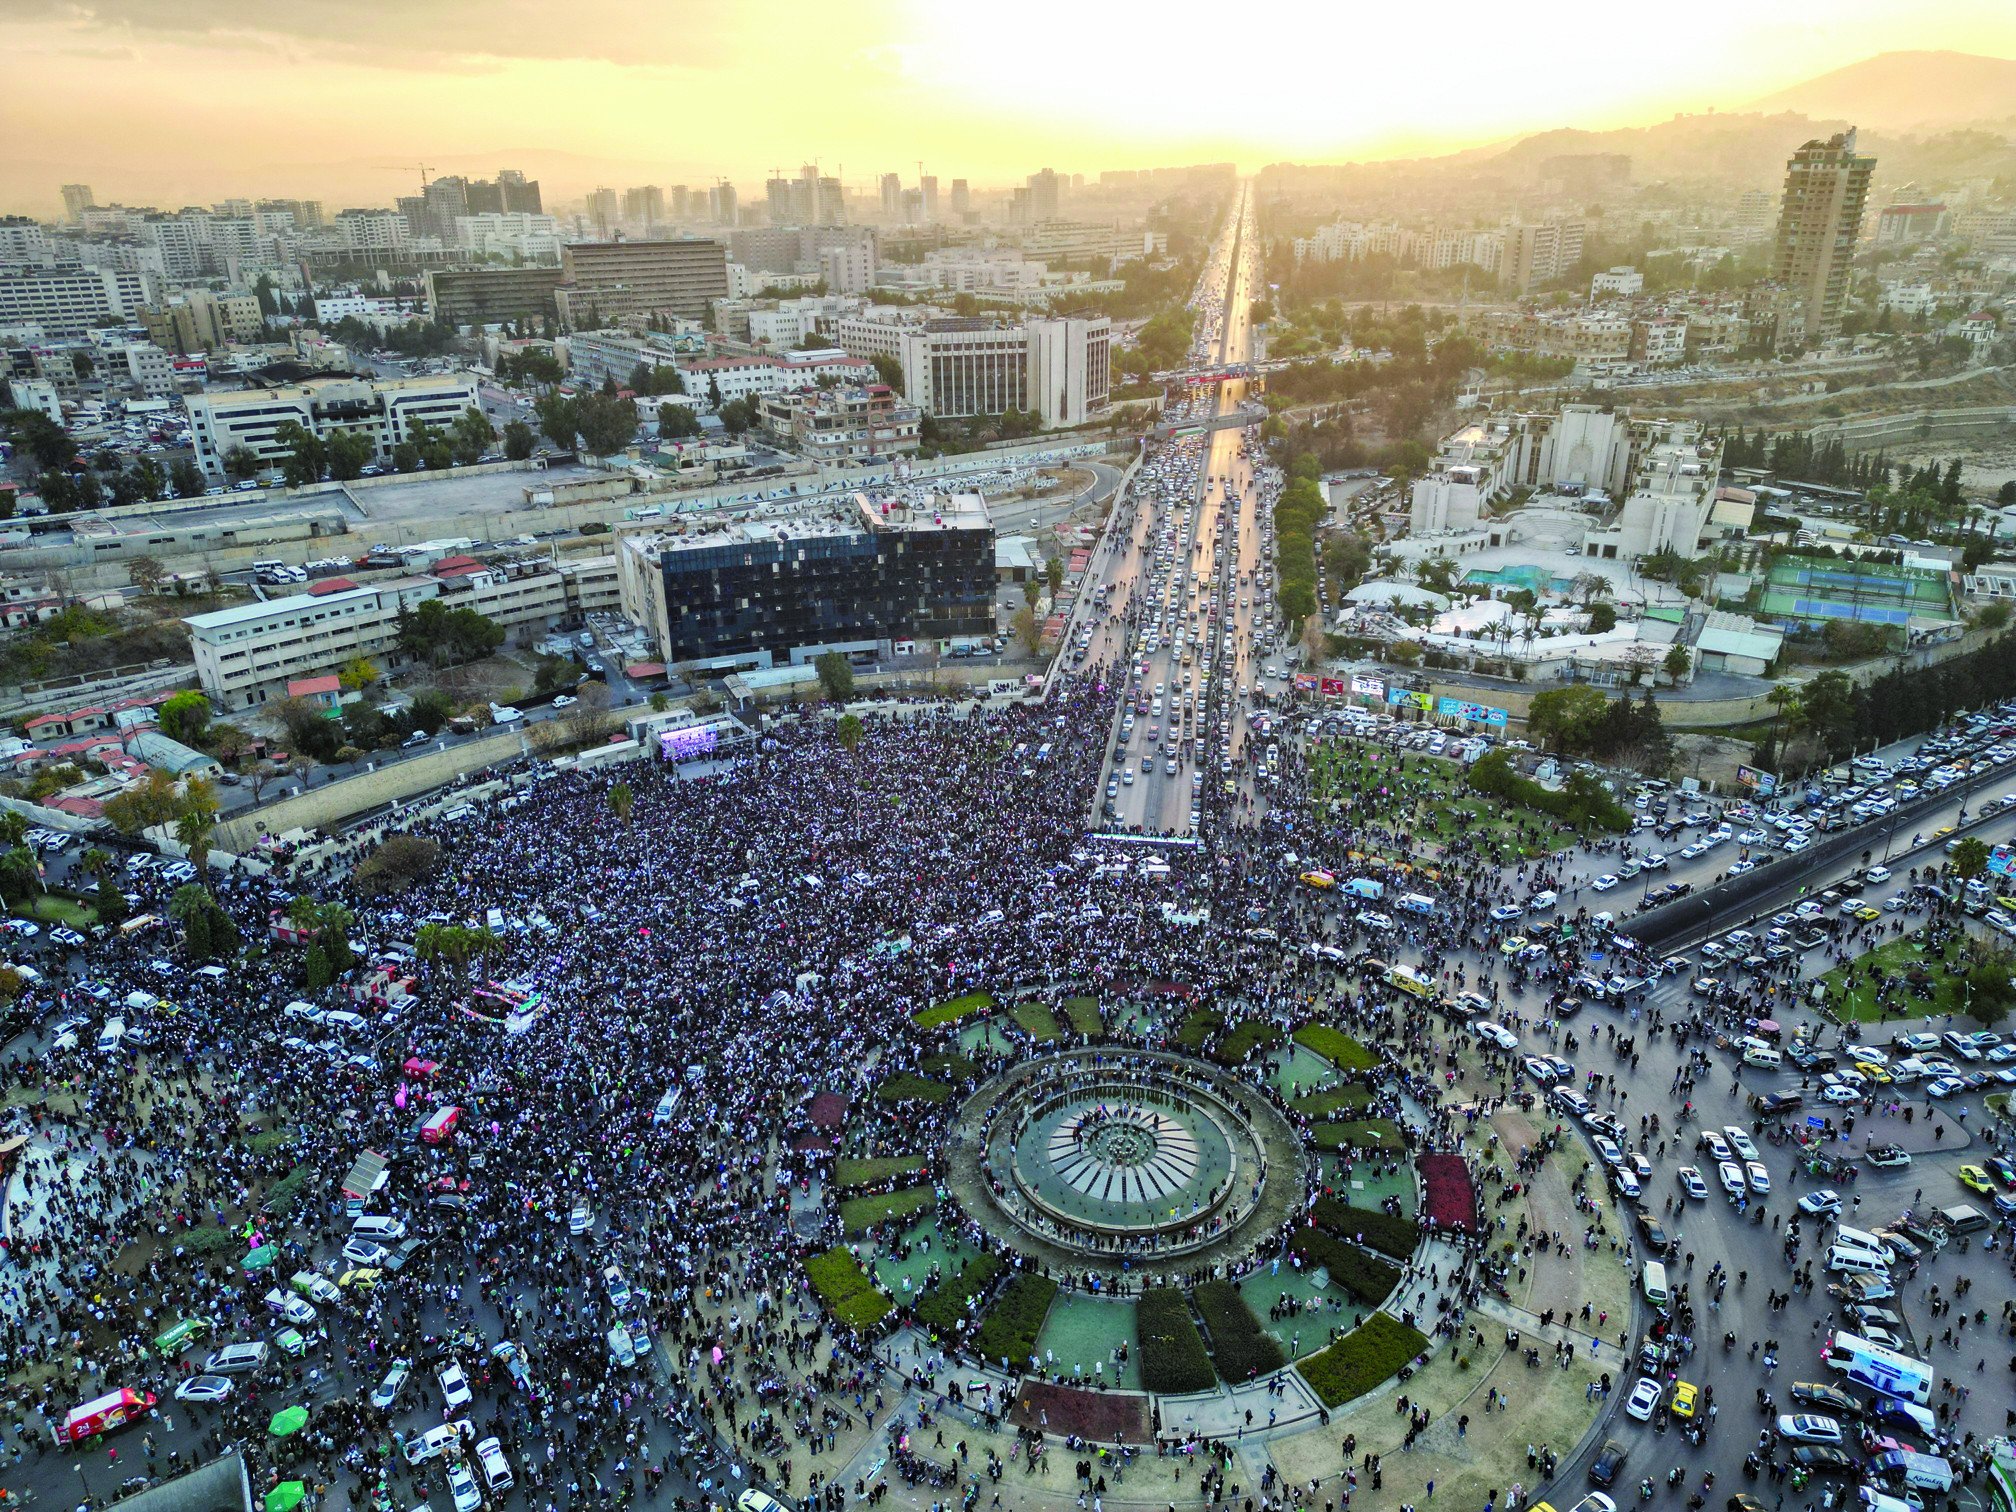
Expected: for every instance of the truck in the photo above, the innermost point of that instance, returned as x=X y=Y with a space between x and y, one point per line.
x=102 y=1414
x=1365 y=887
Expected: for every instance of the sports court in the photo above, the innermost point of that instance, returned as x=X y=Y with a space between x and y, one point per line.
x=1812 y=589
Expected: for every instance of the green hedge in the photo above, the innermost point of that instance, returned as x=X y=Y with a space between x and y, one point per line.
x=1038 y=1020
x=1240 y=1348
x=1198 y=1026
x=1364 y=1133
x=850 y=1173
x=1372 y=1352
x=944 y=1306
x=1010 y=1328
x=907 y=1086
x=949 y=1066
x=1580 y=802
x=952 y=1010
x=847 y=1293
x=1336 y=1047
x=1172 y=1351
x=1370 y=1281
x=1083 y=1012
x=1317 y=1106
x=858 y=1214
x=1249 y=1036
x=1382 y=1231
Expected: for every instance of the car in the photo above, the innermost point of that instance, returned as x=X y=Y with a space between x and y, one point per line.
x=1716 y=1146
x=1504 y=913
x=1603 y=884
x=1609 y=1460
x=1840 y=1092
x=513 y=1360
x=1643 y=1399
x=1825 y=1459
x=454 y=1386
x=1827 y=1398
x=366 y=1254
x=319 y=1288
x=1657 y=1240
x=462 y=1487
x=1739 y=1142
x=1809 y=1428
x=294 y=1309
x=1542 y=1069
x=1497 y=1034
x=1730 y=1175
x=565 y=701
x=1975 y=1179
x=362 y=1277
x=2002 y=1170
x=1826 y=1200
x=1887 y=1156
x=1512 y=945
x=1686 y=1399
x=1692 y=1184
x=386 y=1392
x=1755 y=1172
x=1944 y=1086
x=204 y=1388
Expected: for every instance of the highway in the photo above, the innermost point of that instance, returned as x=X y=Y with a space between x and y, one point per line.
x=1184 y=607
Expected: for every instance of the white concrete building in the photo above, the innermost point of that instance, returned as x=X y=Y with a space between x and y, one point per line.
x=745 y=377
x=386 y=411
x=70 y=301
x=373 y=230
x=1617 y=283
x=37 y=394
x=847 y=269
x=149 y=370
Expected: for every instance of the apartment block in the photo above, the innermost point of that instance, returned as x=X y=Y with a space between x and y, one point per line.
x=489 y=296
x=69 y=302
x=962 y=367
x=842 y=424
x=386 y=411
x=606 y=283
x=750 y=377
x=1819 y=219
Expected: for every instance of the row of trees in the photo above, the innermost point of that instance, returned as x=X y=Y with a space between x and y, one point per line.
x=1823 y=719
x=1579 y=720
x=1297 y=513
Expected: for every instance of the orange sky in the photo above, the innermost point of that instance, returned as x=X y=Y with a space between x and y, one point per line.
x=174 y=101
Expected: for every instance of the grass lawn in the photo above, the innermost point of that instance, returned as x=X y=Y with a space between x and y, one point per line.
x=1198 y=1025
x=858 y=1172
x=953 y=1009
x=51 y=908
x=1426 y=796
x=1887 y=965
x=1365 y=1134
x=860 y=1213
x=1083 y=1013
x=1037 y=1019
x=1321 y=1105
x=1336 y=1047
x=907 y=1086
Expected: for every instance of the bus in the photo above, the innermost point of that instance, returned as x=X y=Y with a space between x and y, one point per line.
x=1410 y=981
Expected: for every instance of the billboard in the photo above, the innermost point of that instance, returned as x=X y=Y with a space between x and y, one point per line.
x=1368 y=687
x=1760 y=782
x=1456 y=708
x=1306 y=682
x=1405 y=698
x=1333 y=687
x=1999 y=859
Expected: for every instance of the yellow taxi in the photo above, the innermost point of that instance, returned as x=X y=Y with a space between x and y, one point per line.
x=1865 y=913
x=1873 y=1072
x=363 y=1277
x=1975 y=1180
x=1685 y=1398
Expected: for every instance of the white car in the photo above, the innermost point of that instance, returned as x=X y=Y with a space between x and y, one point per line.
x=454 y=1386
x=1644 y=1399
x=1498 y=1034
x=1692 y=1184
x=1604 y=883
x=363 y=1252
x=462 y=1486
x=1759 y=1177
x=386 y=1392
x=1839 y=1092
x=1809 y=1428
x=1826 y=1200
x=1718 y=1147
x=1731 y=1176
x=204 y=1388
x=1739 y=1141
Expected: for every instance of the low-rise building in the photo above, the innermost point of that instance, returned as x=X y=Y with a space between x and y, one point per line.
x=733 y=378
x=836 y=424
x=384 y=410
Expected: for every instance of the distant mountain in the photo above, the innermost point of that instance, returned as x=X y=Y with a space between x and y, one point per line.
x=1903 y=91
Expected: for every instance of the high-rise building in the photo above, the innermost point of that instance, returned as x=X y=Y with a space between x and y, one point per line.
x=76 y=200
x=520 y=193
x=927 y=186
x=603 y=283
x=892 y=197
x=603 y=210
x=962 y=197
x=778 y=201
x=446 y=198
x=825 y=204
x=680 y=203
x=1044 y=195
x=1819 y=217
x=1539 y=253
x=644 y=205
x=721 y=205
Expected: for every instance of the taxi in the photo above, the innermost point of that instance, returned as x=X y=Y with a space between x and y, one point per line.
x=1875 y=1073
x=1976 y=1179
x=1686 y=1397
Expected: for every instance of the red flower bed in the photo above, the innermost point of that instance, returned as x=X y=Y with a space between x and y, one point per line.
x=1448 y=1198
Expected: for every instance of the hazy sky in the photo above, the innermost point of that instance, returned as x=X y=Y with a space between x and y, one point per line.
x=167 y=101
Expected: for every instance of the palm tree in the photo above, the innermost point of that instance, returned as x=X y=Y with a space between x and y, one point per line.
x=1784 y=701
x=621 y=800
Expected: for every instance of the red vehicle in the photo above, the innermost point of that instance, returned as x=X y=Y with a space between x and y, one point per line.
x=113 y=1410
x=439 y=1127
x=422 y=1069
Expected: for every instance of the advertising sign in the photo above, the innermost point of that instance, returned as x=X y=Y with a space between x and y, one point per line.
x=1333 y=687
x=1306 y=682
x=1405 y=698
x=1456 y=708
x=1762 y=783
x=1999 y=859
x=1368 y=687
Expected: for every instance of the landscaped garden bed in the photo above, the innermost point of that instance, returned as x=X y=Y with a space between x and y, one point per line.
x=1173 y=1360
x=1241 y=1350
x=848 y=1294
x=943 y=1308
x=1038 y=1020
x=1009 y=1330
x=851 y=1175
x=1361 y=1134
x=1244 y=1040
x=1083 y=1012
x=907 y=1086
x=1367 y=1278
x=1337 y=1047
x=952 y=1010
x=1368 y=1226
x=1372 y=1352
x=1449 y=1198
x=859 y=1214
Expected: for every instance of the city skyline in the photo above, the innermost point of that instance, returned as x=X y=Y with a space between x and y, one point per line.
x=350 y=115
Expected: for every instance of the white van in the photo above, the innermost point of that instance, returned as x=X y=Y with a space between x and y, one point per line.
x=1416 y=903
x=1766 y=1056
x=1862 y=1239
x=379 y=1228
x=111 y=1036
x=1851 y=1261
x=1870 y=1364
x=1542 y=901
x=236 y=1359
x=1652 y=1281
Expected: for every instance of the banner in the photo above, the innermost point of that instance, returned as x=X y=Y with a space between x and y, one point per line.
x=1763 y=783
x=1999 y=859
x=1333 y=687
x=1368 y=687
x=1306 y=682
x=1404 y=698
x=1456 y=708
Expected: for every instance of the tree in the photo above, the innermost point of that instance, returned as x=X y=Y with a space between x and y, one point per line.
x=738 y=416
x=470 y=436
x=197 y=819
x=1679 y=660
x=328 y=925
x=240 y=464
x=306 y=457
x=443 y=636
x=519 y=441
x=186 y=478
x=1053 y=574
x=848 y=730
x=348 y=453
x=1027 y=629
x=622 y=798
x=676 y=422
x=1565 y=718
x=149 y=479
x=836 y=675
x=606 y=423
x=42 y=438
x=186 y=717
x=151 y=800
x=208 y=932
x=20 y=873
x=586 y=720
x=146 y=573
x=889 y=370
x=1602 y=618
x=1969 y=859
x=1990 y=992
x=396 y=863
